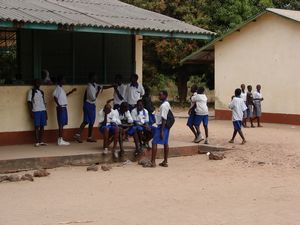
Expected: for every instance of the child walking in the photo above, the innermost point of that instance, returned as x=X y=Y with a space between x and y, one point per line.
x=238 y=107
x=60 y=98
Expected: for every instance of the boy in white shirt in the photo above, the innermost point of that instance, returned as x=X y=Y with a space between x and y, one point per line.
x=257 y=99
x=238 y=107
x=161 y=132
x=89 y=107
x=124 y=122
x=60 y=98
x=108 y=127
x=191 y=123
x=134 y=91
x=244 y=97
x=120 y=91
x=37 y=107
x=141 y=127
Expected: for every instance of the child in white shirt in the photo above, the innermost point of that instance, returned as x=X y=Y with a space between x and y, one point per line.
x=238 y=107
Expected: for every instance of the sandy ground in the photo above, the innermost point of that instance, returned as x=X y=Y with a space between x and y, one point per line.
x=257 y=183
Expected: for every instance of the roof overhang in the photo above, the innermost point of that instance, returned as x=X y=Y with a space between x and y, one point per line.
x=95 y=16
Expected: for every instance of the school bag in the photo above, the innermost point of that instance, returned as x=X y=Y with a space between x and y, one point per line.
x=170 y=120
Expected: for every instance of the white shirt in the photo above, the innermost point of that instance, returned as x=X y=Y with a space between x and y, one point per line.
x=162 y=112
x=238 y=106
x=122 y=91
x=61 y=96
x=126 y=116
x=257 y=95
x=38 y=103
x=201 y=104
x=140 y=117
x=133 y=94
x=91 y=92
x=244 y=96
x=111 y=117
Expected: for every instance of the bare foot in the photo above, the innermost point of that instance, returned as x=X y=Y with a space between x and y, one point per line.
x=243 y=142
x=231 y=141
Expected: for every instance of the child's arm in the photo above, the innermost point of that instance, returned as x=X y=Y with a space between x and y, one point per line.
x=72 y=91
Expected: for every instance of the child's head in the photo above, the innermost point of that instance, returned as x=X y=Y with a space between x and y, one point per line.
x=163 y=95
x=237 y=92
x=139 y=105
x=243 y=86
x=258 y=87
x=92 y=77
x=194 y=88
x=249 y=88
x=37 y=83
x=124 y=107
x=118 y=79
x=134 y=78
x=107 y=108
x=60 y=80
x=201 y=90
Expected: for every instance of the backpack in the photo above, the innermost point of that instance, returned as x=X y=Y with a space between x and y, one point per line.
x=170 y=120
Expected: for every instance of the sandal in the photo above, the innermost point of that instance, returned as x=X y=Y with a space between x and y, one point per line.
x=163 y=164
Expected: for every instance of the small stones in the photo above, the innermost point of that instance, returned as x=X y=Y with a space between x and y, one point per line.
x=3 y=178
x=145 y=162
x=216 y=156
x=28 y=177
x=92 y=168
x=41 y=173
x=106 y=167
x=14 y=178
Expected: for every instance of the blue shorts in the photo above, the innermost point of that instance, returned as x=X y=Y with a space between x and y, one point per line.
x=195 y=120
x=62 y=116
x=151 y=119
x=237 y=125
x=40 y=118
x=156 y=136
x=111 y=129
x=132 y=130
x=89 y=113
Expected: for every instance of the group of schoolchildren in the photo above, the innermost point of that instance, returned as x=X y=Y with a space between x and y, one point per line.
x=244 y=106
x=131 y=114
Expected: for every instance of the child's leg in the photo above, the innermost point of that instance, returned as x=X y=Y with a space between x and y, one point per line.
x=82 y=126
x=60 y=131
x=233 y=136
x=37 y=134
x=197 y=128
x=121 y=133
x=105 y=138
x=41 y=134
x=90 y=131
x=116 y=137
x=206 y=130
x=154 y=151
x=242 y=136
x=136 y=141
x=166 y=153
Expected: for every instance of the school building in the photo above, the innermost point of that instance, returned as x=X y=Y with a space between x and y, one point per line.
x=71 y=38
x=264 y=50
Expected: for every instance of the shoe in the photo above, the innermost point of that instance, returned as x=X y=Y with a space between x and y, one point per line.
x=36 y=145
x=77 y=138
x=199 y=138
x=116 y=154
x=105 y=152
x=64 y=143
x=206 y=142
x=91 y=140
x=43 y=144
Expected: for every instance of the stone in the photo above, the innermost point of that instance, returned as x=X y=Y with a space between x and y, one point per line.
x=145 y=162
x=92 y=168
x=106 y=167
x=41 y=173
x=3 y=178
x=216 y=156
x=28 y=177
x=14 y=178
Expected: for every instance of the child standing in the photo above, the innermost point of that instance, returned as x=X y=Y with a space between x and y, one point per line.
x=250 y=105
x=120 y=90
x=257 y=99
x=37 y=107
x=193 y=120
x=244 y=97
x=60 y=98
x=237 y=106
x=134 y=92
x=147 y=102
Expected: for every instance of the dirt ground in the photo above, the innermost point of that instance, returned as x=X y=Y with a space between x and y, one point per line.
x=257 y=183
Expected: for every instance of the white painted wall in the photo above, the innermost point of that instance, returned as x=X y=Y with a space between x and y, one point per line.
x=265 y=52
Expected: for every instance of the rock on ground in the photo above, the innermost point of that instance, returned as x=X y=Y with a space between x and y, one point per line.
x=28 y=177
x=41 y=173
x=106 y=167
x=92 y=168
x=216 y=156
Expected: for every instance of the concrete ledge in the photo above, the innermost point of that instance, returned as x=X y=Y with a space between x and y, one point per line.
x=23 y=164
x=203 y=149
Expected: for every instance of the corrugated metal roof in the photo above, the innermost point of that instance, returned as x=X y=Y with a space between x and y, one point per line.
x=288 y=14
x=92 y=13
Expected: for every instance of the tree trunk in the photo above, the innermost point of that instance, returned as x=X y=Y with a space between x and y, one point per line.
x=181 y=82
